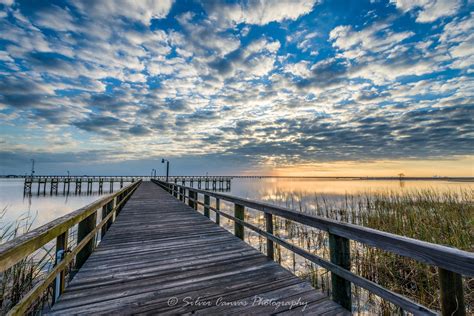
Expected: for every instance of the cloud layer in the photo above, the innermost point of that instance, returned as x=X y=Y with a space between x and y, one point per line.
x=249 y=81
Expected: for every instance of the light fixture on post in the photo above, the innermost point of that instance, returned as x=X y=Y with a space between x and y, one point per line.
x=167 y=167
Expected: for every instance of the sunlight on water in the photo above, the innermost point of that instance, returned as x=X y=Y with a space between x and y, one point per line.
x=269 y=189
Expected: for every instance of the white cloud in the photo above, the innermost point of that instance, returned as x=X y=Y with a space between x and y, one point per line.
x=458 y=39
x=429 y=10
x=260 y=12
x=142 y=11
x=373 y=39
x=299 y=69
x=203 y=37
x=56 y=18
x=458 y=30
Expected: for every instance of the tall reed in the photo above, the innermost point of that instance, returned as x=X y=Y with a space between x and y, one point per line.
x=16 y=281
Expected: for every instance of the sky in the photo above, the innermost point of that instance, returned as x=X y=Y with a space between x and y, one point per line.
x=288 y=87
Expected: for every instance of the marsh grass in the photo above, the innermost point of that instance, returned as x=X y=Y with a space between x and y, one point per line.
x=16 y=281
x=443 y=218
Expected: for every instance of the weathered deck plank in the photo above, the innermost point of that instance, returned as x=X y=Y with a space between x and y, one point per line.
x=159 y=249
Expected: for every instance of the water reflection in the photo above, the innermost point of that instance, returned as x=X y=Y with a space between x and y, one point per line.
x=44 y=207
x=271 y=189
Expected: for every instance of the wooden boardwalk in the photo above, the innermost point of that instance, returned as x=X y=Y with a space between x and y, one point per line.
x=161 y=256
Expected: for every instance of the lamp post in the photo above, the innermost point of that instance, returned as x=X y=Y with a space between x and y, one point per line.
x=167 y=167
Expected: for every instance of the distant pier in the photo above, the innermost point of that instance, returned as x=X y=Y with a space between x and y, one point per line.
x=85 y=184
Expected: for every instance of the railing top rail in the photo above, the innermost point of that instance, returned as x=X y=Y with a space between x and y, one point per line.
x=16 y=249
x=448 y=258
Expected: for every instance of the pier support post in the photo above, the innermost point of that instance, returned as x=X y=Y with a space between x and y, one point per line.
x=191 y=198
x=339 y=248
x=181 y=194
x=61 y=246
x=106 y=209
x=218 y=207
x=239 y=211
x=451 y=290
x=83 y=229
x=206 y=205
x=269 y=228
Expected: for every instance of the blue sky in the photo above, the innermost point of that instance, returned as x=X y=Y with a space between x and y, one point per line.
x=235 y=86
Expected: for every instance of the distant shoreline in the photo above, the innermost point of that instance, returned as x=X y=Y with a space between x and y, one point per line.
x=452 y=179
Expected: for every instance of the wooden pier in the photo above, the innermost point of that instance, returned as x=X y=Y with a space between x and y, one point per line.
x=85 y=184
x=158 y=255
x=75 y=184
x=160 y=249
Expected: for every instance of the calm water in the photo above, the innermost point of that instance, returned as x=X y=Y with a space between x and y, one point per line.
x=44 y=208
x=270 y=189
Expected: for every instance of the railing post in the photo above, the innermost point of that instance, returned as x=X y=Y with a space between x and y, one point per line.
x=218 y=207
x=175 y=190
x=451 y=292
x=106 y=209
x=83 y=229
x=119 y=199
x=206 y=205
x=339 y=248
x=103 y=230
x=269 y=227
x=239 y=211
x=60 y=282
x=181 y=194
x=191 y=198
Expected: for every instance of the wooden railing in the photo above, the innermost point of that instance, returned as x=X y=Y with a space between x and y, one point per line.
x=452 y=263
x=19 y=248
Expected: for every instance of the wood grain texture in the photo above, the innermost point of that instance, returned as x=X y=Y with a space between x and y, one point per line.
x=159 y=248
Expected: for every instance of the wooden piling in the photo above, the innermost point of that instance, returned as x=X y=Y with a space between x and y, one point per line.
x=61 y=245
x=181 y=194
x=191 y=199
x=207 y=200
x=451 y=293
x=218 y=207
x=239 y=211
x=269 y=228
x=339 y=249
x=83 y=229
